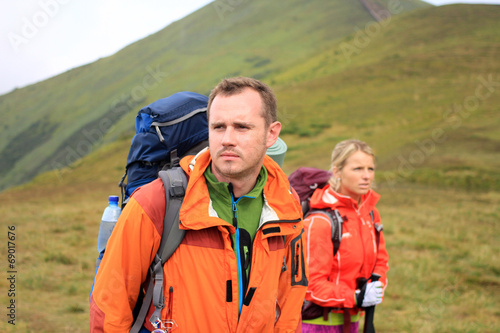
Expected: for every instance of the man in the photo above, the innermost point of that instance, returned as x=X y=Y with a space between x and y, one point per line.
x=240 y=266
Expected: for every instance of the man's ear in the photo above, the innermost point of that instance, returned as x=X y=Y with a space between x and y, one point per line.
x=273 y=133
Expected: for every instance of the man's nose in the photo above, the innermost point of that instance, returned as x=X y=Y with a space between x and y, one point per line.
x=228 y=137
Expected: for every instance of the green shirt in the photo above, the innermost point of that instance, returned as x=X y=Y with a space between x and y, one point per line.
x=248 y=207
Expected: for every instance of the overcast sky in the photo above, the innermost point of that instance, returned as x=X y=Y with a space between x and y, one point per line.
x=42 y=38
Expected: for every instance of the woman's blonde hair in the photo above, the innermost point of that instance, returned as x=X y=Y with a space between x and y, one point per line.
x=342 y=151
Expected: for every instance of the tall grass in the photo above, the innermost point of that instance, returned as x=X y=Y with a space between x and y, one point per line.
x=444 y=260
x=57 y=221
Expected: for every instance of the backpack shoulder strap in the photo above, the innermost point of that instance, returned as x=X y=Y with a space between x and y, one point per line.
x=336 y=221
x=378 y=228
x=175 y=183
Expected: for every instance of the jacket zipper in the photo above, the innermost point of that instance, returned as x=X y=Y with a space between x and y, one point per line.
x=237 y=245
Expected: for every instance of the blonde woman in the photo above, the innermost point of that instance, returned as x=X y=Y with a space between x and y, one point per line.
x=341 y=284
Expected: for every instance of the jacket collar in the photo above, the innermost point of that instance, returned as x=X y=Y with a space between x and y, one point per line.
x=197 y=211
x=326 y=197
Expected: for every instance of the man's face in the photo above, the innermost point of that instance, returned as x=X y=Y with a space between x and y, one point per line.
x=238 y=136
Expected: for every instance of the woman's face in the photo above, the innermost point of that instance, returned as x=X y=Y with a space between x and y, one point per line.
x=357 y=176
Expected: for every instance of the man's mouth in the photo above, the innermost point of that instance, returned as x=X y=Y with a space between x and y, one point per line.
x=229 y=155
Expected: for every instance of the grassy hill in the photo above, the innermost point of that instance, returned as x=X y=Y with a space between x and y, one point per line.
x=53 y=123
x=425 y=90
x=422 y=88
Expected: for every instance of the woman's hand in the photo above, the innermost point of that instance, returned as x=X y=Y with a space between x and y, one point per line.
x=371 y=294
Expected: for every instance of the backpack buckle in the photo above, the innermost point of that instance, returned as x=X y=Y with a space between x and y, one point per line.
x=177 y=190
x=174 y=159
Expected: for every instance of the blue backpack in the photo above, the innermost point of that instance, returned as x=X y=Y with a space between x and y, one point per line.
x=166 y=130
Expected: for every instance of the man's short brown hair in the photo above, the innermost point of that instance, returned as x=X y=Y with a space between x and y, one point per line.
x=234 y=86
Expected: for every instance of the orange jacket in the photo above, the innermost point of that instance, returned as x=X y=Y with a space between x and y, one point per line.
x=332 y=280
x=203 y=270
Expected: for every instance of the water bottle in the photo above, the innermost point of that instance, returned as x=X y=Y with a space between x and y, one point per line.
x=108 y=221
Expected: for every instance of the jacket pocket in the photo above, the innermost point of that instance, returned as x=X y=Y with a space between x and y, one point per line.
x=298 y=261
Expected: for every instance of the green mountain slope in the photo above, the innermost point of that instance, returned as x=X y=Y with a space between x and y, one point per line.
x=53 y=123
x=424 y=89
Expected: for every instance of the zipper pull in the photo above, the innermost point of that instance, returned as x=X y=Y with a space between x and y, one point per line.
x=247 y=257
x=230 y=189
x=297 y=256
x=169 y=324
x=170 y=302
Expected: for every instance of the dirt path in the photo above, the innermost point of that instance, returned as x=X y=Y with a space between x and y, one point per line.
x=375 y=9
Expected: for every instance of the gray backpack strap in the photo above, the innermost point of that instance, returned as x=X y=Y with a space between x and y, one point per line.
x=175 y=183
x=378 y=228
x=337 y=226
x=336 y=222
x=139 y=321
